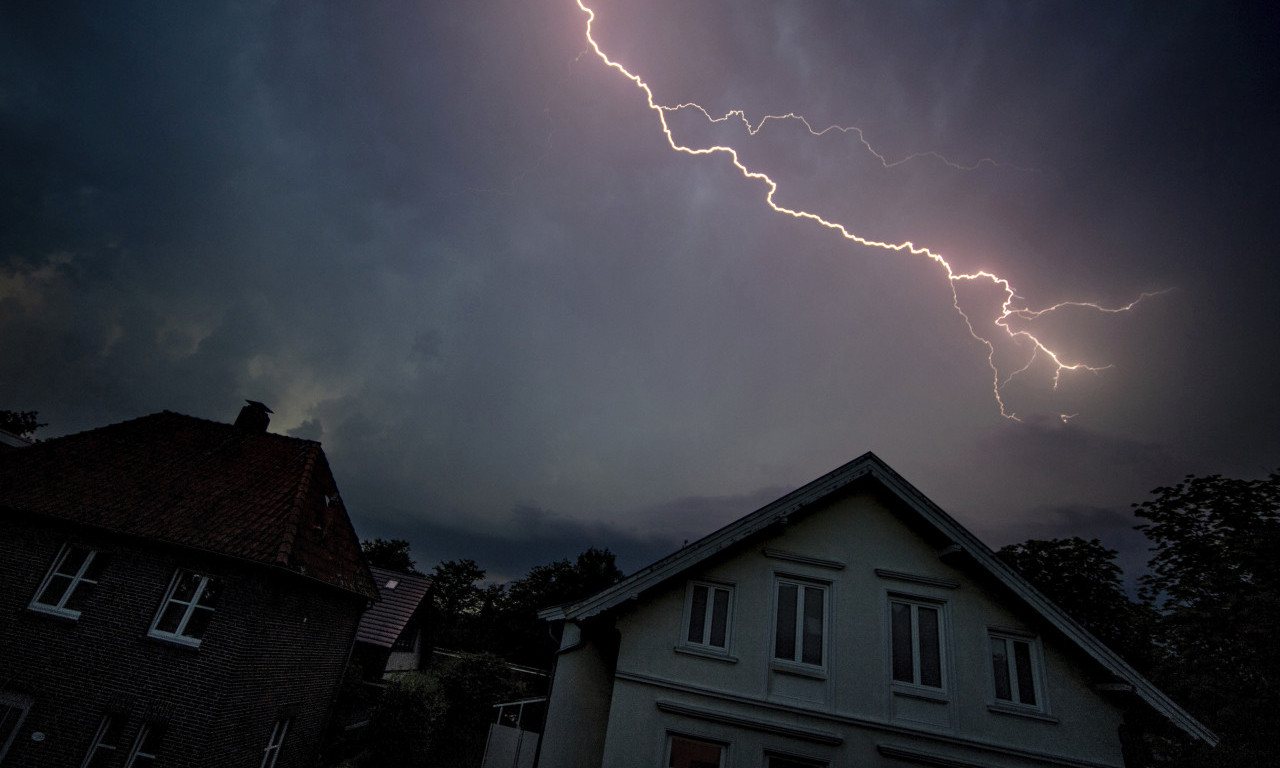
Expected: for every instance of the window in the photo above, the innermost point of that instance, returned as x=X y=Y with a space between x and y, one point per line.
x=66 y=587
x=801 y=612
x=407 y=641
x=13 y=710
x=707 y=615
x=916 y=643
x=103 y=747
x=145 y=746
x=1013 y=664
x=686 y=752
x=187 y=608
x=272 y=751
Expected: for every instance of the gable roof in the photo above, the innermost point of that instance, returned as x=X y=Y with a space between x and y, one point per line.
x=869 y=468
x=386 y=619
x=251 y=495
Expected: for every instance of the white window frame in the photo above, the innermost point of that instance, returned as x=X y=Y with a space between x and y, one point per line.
x=796 y=663
x=100 y=740
x=274 y=744
x=672 y=736
x=12 y=701
x=1036 y=664
x=178 y=636
x=944 y=655
x=705 y=645
x=79 y=577
x=141 y=741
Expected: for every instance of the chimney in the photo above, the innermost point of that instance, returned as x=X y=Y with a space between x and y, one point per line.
x=253 y=417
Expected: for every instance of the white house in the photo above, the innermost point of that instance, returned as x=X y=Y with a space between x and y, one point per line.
x=850 y=623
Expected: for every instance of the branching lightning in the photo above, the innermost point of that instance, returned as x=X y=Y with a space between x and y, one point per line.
x=1009 y=306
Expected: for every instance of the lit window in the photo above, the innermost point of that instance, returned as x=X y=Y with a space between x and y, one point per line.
x=916 y=641
x=707 y=616
x=685 y=752
x=145 y=746
x=72 y=577
x=1013 y=664
x=13 y=710
x=187 y=608
x=801 y=618
x=272 y=751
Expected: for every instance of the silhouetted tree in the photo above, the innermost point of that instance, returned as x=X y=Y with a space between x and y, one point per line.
x=1215 y=578
x=392 y=554
x=1082 y=577
x=457 y=598
x=21 y=423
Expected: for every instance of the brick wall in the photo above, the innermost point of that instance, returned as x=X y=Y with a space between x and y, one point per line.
x=276 y=646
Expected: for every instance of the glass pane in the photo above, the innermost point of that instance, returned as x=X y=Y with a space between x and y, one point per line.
x=171 y=617
x=1000 y=667
x=793 y=762
x=930 y=649
x=212 y=591
x=901 y=640
x=94 y=571
x=70 y=564
x=1022 y=664
x=784 y=644
x=186 y=586
x=811 y=652
x=79 y=596
x=720 y=618
x=697 y=614
x=56 y=588
x=198 y=623
x=687 y=753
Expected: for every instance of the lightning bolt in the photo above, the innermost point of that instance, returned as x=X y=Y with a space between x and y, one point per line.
x=1009 y=307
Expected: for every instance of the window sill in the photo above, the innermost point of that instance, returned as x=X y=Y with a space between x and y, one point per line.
x=56 y=613
x=706 y=653
x=174 y=641
x=924 y=694
x=1016 y=711
x=798 y=670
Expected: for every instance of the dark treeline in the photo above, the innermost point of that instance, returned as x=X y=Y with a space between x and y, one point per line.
x=1204 y=624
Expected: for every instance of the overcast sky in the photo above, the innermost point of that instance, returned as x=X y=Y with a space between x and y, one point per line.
x=449 y=242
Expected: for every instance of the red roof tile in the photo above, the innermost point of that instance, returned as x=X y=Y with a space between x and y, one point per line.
x=257 y=496
x=387 y=618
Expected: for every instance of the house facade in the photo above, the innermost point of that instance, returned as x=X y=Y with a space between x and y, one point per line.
x=173 y=591
x=850 y=623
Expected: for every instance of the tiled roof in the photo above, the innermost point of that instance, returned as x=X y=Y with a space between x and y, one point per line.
x=258 y=496
x=386 y=619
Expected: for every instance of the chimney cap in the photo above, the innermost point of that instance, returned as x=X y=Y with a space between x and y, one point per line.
x=253 y=417
x=259 y=406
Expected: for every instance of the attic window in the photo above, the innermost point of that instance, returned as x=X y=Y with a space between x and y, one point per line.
x=393 y=583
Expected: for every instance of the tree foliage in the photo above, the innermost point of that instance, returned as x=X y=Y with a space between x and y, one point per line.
x=1215 y=579
x=21 y=423
x=1083 y=579
x=392 y=554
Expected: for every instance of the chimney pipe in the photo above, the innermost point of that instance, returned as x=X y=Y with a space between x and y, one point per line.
x=253 y=417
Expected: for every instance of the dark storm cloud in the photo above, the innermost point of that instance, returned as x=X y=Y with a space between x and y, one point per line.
x=438 y=239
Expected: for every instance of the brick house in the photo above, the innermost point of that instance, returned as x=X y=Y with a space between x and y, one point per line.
x=173 y=591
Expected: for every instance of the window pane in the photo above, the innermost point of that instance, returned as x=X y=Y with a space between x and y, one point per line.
x=212 y=591
x=901 y=640
x=1022 y=663
x=1000 y=667
x=71 y=563
x=687 y=753
x=784 y=644
x=811 y=652
x=54 y=591
x=719 y=618
x=171 y=617
x=930 y=650
x=79 y=596
x=96 y=565
x=198 y=623
x=794 y=762
x=186 y=586
x=698 y=614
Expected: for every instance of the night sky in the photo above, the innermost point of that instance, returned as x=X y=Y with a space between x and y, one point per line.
x=449 y=242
